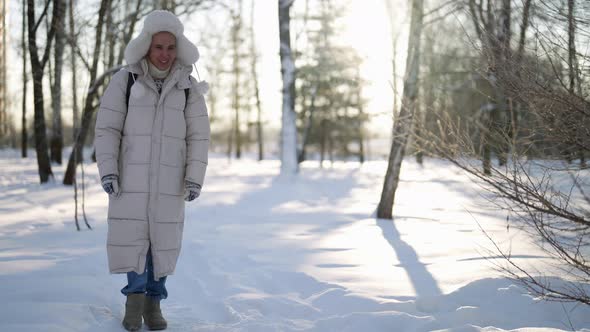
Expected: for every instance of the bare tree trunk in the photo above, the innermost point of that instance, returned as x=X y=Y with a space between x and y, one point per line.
x=169 y=5
x=253 y=66
x=88 y=106
x=213 y=41
x=486 y=148
x=484 y=31
x=403 y=125
x=392 y=19
x=75 y=111
x=330 y=137
x=515 y=106
x=361 y=144
x=237 y=135
x=57 y=140
x=289 y=163
x=13 y=134
x=127 y=37
x=110 y=37
x=571 y=45
x=212 y=96
x=497 y=53
x=49 y=74
x=259 y=133
x=419 y=113
x=37 y=66
x=524 y=26
x=323 y=140
x=308 y=125
x=24 y=133
x=359 y=101
x=73 y=64
x=230 y=140
x=505 y=30
x=573 y=72
x=4 y=121
x=236 y=98
x=427 y=95
x=504 y=123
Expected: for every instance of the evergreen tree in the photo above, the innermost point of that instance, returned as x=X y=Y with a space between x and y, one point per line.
x=330 y=117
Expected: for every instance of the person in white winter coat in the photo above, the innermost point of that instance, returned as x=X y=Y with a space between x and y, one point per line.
x=151 y=139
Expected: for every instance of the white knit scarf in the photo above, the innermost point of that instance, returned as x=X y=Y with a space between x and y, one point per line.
x=157 y=73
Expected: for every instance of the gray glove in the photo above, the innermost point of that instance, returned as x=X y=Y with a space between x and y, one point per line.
x=192 y=190
x=110 y=184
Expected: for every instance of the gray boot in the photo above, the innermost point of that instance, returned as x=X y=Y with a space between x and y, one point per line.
x=133 y=309
x=152 y=315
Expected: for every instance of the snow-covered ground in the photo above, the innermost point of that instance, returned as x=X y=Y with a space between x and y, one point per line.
x=265 y=253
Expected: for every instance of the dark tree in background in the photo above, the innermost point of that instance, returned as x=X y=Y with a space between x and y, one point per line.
x=24 y=134
x=87 y=112
x=37 y=67
x=57 y=139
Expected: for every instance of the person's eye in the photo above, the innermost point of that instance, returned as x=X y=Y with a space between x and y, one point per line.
x=172 y=48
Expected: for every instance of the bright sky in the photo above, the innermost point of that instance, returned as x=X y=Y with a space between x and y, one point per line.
x=366 y=28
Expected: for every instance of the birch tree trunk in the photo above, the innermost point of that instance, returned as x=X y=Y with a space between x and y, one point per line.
x=88 y=105
x=403 y=126
x=289 y=163
x=37 y=66
x=24 y=133
x=571 y=29
x=57 y=141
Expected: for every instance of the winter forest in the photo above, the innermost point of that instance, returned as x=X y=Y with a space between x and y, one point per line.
x=374 y=165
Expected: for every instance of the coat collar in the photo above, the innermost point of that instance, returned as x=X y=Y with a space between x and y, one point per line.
x=179 y=74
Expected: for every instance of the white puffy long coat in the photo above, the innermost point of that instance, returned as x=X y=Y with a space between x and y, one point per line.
x=153 y=147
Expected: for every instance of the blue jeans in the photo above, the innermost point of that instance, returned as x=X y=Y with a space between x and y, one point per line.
x=144 y=283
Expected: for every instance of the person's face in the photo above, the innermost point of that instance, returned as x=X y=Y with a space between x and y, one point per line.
x=162 y=52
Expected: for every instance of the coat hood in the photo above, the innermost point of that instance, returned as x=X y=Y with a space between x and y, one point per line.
x=157 y=21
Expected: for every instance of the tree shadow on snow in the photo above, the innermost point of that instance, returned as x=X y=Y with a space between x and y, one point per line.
x=424 y=283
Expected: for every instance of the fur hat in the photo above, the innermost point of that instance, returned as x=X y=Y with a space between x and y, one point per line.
x=157 y=21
